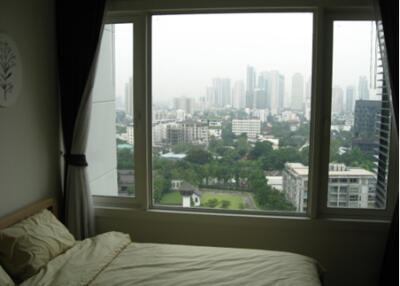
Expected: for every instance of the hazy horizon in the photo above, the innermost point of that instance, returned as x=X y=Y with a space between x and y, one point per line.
x=188 y=51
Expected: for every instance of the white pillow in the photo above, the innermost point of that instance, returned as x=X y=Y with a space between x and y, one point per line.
x=5 y=279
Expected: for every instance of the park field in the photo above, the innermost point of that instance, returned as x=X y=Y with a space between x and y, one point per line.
x=236 y=200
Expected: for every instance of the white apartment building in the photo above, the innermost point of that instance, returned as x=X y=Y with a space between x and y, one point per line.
x=348 y=187
x=251 y=127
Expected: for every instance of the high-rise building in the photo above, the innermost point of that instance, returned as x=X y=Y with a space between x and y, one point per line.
x=297 y=92
x=219 y=94
x=129 y=97
x=250 y=86
x=238 y=95
x=184 y=103
x=337 y=99
x=226 y=92
x=348 y=187
x=261 y=98
x=274 y=83
x=365 y=117
x=250 y=127
x=350 y=95
x=363 y=91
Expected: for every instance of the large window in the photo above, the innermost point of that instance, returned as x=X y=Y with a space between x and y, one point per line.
x=232 y=113
x=360 y=119
x=231 y=105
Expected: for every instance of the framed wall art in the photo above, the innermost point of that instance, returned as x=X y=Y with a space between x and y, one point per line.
x=10 y=71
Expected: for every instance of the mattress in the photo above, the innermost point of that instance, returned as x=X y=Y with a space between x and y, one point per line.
x=112 y=259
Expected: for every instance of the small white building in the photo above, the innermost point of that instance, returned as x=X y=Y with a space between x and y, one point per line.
x=190 y=195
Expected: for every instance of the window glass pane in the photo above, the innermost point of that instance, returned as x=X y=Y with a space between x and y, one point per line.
x=360 y=118
x=111 y=139
x=231 y=100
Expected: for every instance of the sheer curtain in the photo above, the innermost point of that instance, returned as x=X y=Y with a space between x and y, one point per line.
x=79 y=26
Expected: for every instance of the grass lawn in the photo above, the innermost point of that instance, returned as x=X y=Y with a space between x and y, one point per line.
x=172 y=198
x=235 y=199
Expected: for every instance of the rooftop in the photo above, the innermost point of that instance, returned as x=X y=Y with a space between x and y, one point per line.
x=302 y=170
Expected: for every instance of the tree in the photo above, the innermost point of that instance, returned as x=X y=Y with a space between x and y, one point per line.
x=182 y=148
x=227 y=134
x=242 y=145
x=225 y=204
x=260 y=149
x=161 y=185
x=125 y=159
x=198 y=156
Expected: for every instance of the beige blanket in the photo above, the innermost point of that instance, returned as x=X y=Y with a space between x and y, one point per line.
x=180 y=265
x=110 y=259
x=79 y=265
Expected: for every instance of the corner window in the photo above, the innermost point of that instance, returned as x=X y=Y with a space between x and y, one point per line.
x=360 y=119
x=111 y=135
x=231 y=103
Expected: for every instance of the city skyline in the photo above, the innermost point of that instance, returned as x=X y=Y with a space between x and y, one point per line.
x=168 y=49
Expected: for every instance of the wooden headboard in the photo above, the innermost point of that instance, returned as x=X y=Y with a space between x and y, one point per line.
x=28 y=211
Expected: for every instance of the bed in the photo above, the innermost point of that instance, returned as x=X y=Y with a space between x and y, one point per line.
x=113 y=259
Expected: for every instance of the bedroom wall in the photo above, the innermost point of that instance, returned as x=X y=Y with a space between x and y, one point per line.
x=29 y=133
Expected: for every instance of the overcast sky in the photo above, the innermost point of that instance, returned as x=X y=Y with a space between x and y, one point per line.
x=190 y=50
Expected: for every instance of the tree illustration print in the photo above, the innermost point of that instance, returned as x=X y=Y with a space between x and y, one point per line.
x=7 y=64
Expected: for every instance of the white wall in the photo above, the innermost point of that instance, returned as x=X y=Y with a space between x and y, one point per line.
x=29 y=130
x=101 y=149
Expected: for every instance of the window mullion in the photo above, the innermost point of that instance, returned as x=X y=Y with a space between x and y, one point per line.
x=320 y=118
x=141 y=158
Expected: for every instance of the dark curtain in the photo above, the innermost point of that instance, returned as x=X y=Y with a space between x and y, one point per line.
x=79 y=26
x=388 y=13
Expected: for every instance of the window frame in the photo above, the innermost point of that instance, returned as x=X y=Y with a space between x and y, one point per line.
x=353 y=213
x=324 y=14
x=150 y=202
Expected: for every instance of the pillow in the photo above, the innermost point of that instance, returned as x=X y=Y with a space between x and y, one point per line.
x=5 y=280
x=30 y=244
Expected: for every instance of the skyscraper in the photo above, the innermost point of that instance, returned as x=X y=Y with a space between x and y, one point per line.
x=275 y=91
x=297 y=92
x=238 y=95
x=366 y=115
x=363 y=91
x=350 y=94
x=337 y=99
x=184 y=103
x=250 y=86
x=219 y=94
x=365 y=118
x=226 y=92
x=261 y=93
